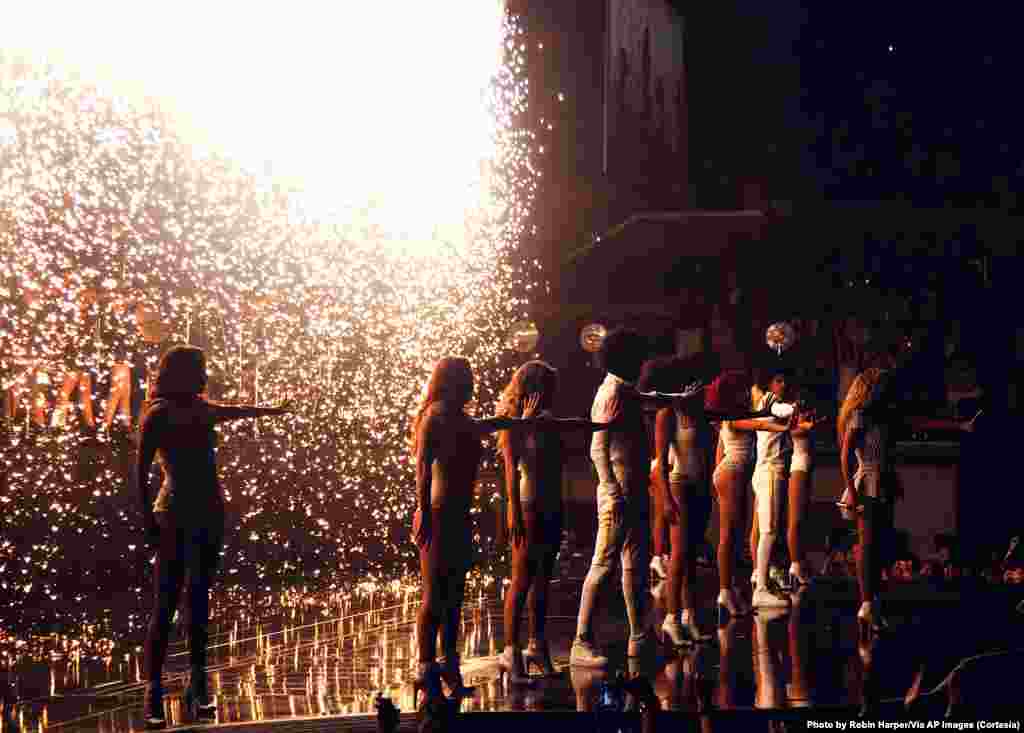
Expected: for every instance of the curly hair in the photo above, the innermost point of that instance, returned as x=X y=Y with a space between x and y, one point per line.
x=623 y=352
x=533 y=377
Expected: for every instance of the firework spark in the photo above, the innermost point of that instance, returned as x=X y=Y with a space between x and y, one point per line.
x=383 y=235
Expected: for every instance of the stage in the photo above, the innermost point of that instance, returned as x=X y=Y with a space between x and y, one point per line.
x=305 y=668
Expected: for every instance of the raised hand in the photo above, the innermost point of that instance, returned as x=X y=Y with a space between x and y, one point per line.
x=531 y=404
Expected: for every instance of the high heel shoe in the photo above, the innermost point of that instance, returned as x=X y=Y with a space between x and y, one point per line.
x=153 y=706
x=538 y=655
x=741 y=602
x=429 y=682
x=451 y=673
x=197 y=700
x=671 y=633
x=681 y=634
x=691 y=630
x=729 y=606
x=798 y=577
x=770 y=597
x=511 y=660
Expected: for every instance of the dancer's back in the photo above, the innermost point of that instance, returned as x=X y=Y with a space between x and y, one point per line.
x=186 y=445
x=540 y=469
x=454 y=468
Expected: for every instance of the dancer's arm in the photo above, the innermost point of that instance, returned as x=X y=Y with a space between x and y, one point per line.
x=933 y=423
x=429 y=435
x=845 y=456
x=516 y=523
x=760 y=425
x=802 y=428
x=719 y=451
x=494 y=424
x=154 y=424
x=225 y=413
x=565 y=424
x=717 y=416
x=776 y=411
x=600 y=450
x=542 y=423
x=664 y=429
x=666 y=399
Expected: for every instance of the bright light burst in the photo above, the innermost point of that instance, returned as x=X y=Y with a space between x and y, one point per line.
x=349 y=103
x=327 y=203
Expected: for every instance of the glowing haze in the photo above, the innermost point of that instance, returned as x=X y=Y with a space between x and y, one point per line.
x=350 y=102
x=327 y=196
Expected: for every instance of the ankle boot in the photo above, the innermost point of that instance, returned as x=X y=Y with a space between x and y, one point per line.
x=538 y=655
x=197 y=699
x=512 y=662
x=429 y=681
x=451 y=673
x=153 y=706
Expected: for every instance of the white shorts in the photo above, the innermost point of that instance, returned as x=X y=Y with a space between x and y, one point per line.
x=801 y=462
x=770 y=487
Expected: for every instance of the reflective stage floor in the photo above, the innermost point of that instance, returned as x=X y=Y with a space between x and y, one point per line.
x=290 y=669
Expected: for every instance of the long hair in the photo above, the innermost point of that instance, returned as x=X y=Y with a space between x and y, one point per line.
x=860 y=392
x=451 y=381
x=181 y=374
x=532 y=377
x=728 y=391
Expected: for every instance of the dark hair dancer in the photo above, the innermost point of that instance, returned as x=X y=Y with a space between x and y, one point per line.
x=186 y=520
x=446 y=443
x=533 y=479
x=621 y=457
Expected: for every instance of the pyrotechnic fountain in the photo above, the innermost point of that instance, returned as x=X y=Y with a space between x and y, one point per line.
x=326 y=219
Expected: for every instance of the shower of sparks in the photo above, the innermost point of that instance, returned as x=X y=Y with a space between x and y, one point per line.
x=114 y=215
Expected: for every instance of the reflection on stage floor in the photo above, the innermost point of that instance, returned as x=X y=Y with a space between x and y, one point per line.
x=316 y=662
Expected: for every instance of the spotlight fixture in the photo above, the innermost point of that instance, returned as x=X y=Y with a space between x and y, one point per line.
x=523 y=336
